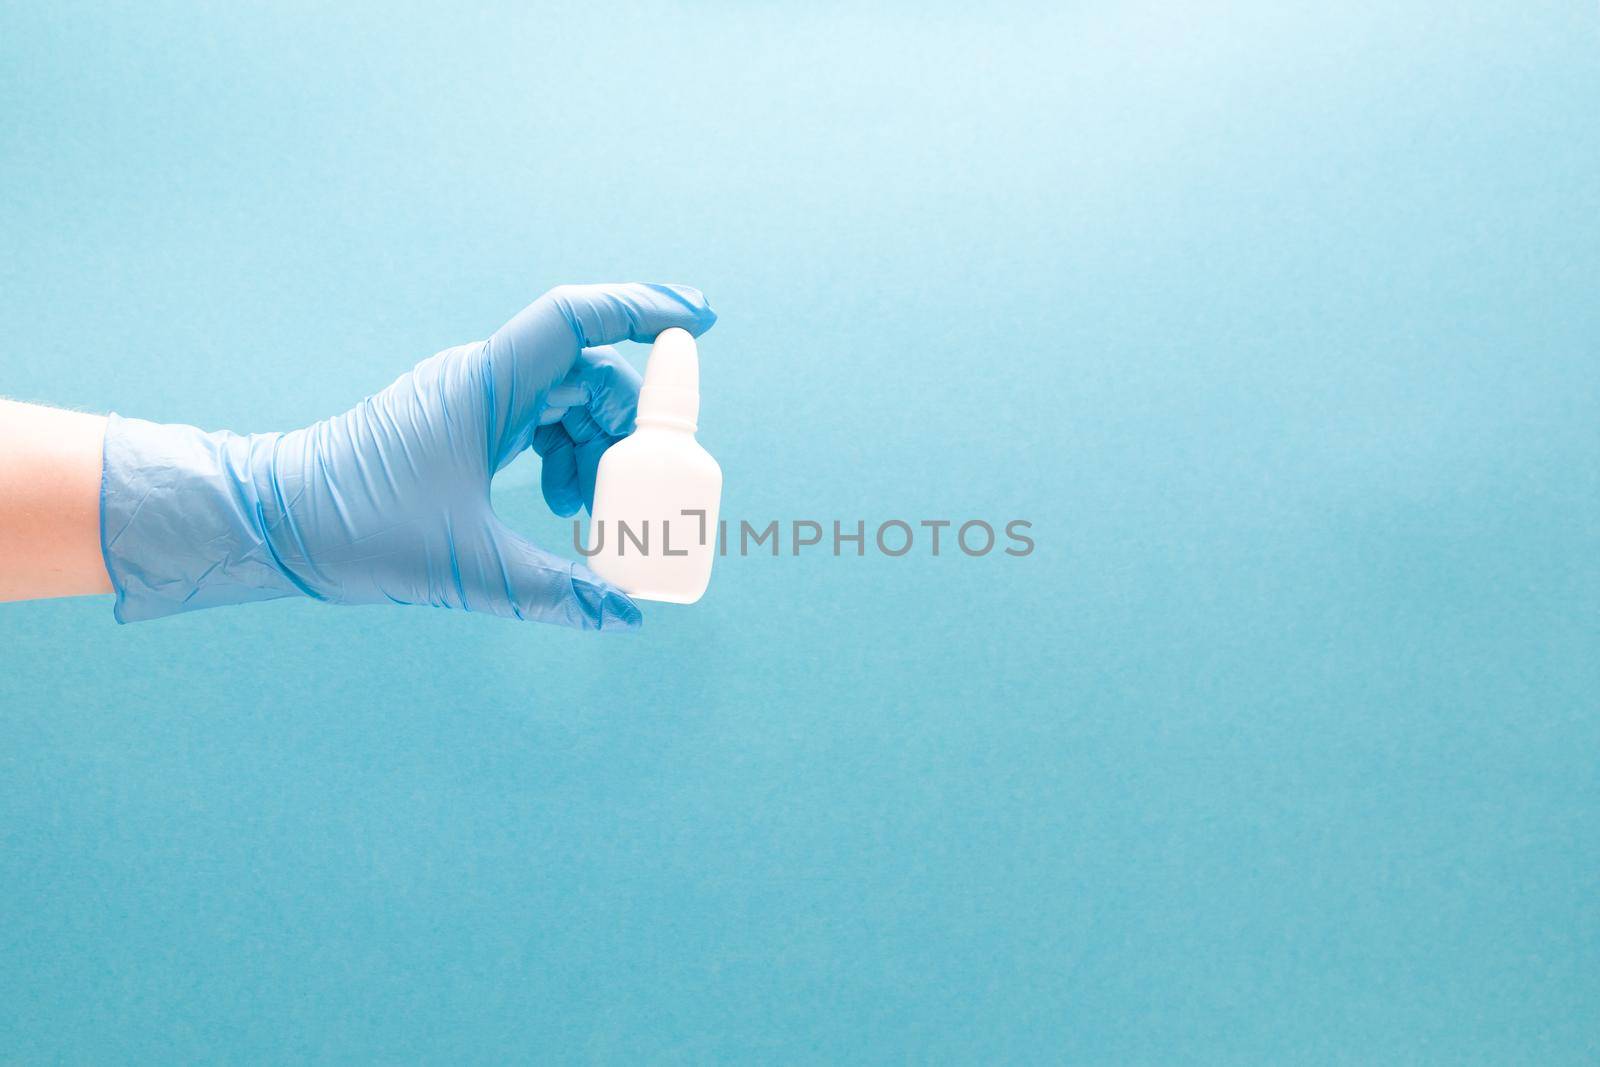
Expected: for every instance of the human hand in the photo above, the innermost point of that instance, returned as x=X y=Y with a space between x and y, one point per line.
x=389 y=501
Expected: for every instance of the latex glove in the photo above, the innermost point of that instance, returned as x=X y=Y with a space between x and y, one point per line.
x=389 y=502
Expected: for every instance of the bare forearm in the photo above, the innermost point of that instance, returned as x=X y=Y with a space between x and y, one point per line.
x=50 y=502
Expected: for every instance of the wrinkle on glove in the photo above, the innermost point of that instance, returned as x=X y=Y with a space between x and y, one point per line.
x=153 y=496
x=389 y=501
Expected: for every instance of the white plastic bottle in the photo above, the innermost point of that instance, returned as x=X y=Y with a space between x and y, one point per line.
x=653 y=530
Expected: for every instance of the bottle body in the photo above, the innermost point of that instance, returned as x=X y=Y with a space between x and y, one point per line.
x=653 y=530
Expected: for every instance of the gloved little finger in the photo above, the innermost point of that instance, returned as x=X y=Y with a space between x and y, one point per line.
x=558 y=475
x=588 y=457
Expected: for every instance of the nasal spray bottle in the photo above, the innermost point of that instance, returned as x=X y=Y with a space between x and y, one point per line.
x=653 y=529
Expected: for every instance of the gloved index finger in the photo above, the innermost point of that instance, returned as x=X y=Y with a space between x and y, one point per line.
x=630 y=311
x=533 y=352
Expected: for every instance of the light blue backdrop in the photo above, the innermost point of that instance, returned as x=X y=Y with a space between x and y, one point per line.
x=1278 y=321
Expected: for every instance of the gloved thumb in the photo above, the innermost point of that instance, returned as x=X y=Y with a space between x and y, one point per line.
x=543 y=587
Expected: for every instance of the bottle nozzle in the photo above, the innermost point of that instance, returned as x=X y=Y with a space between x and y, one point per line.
x=671 y=392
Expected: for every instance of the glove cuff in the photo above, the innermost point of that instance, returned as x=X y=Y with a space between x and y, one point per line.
x=181 y=520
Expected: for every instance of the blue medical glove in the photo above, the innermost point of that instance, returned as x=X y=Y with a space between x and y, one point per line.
x=389 y=502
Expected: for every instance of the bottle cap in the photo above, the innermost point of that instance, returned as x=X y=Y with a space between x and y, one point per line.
x=671 y=392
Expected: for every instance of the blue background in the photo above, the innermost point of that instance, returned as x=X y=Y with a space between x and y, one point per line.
x=1278 y=321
